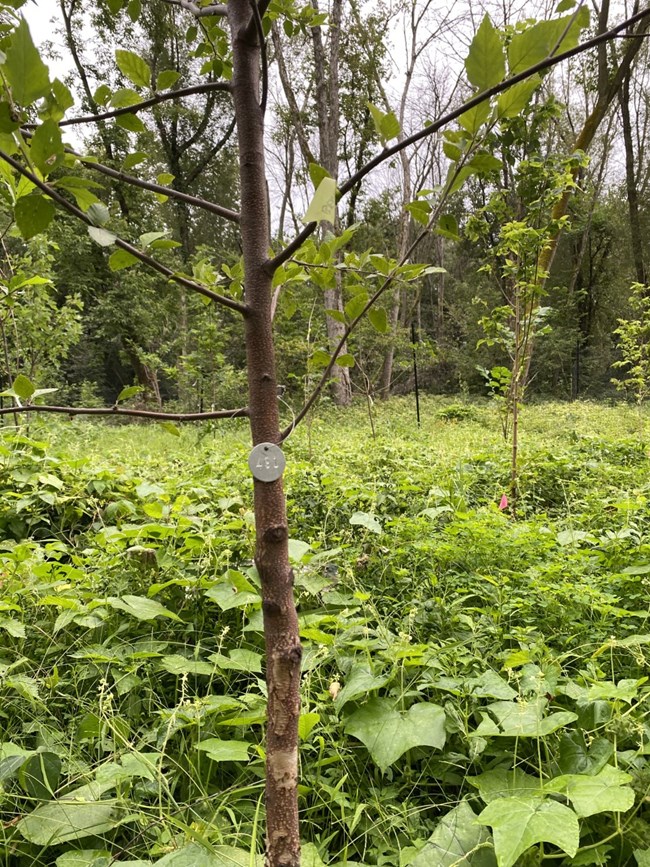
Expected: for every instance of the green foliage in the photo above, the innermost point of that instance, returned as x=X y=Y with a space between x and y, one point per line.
x=634 y=346
x=473 y=687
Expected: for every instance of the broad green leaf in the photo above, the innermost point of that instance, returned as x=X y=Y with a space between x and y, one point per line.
x=46 y=147
x=225 y=751
x=642 y=857
x=355 y=305
x=125 y=97
x=102 y=236
x=310 y=857
x=133 y=67
x=134 y=159
x=543 y=38
x=364 y=519
x=180 y=665
x=171 y=428
x=606 y=791
x=23 y=387
x=57 y=102
x=456 y=179
x=99 y=214
x=521 y=719
x=167 y=78
x=102 y=94
x=14 y=627
x=474 y=118
x=486 y=62
x=491 y=685
x=345 y=360
x=39 y=776
x=515 y=99
x=319 y=358
x=386 y=124
x=317 y=173
x=141 y=607
x=451 y=151
x=11 y=764
x=359 y=682
x=59 y=821
x=234 y=591
x=194 y=855
x=306 y=724
x=239 y=659
x=26 y=73
x=121 y=259
x=127 y=392
x=378 y=318
x=165 y=178
x=388 y=733
x=518 y=823
x=339 y=316
x=323 y=204
x=85 y=858
x=33 y=215
x=148 y=238
x=448 y=227
x=131 y=122
x=458 y=841
x=485 y=163
x=501 y=783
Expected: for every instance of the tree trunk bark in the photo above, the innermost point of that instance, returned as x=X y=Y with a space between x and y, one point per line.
x=283 y=651
x=630 y=183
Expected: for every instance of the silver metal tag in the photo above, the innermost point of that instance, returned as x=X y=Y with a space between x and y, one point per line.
x=266 y=462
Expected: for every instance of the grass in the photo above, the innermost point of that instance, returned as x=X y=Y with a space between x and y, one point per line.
x=450 y=651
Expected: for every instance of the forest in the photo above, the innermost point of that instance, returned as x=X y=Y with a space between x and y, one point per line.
x=323 y=447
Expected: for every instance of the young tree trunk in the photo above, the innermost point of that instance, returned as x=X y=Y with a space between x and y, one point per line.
x=283 y=651
x=630 y=183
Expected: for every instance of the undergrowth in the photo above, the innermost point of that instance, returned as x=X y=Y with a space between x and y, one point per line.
x=474 y=687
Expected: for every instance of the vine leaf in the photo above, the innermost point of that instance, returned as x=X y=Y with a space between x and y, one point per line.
x=458 y=841
x=486 y=63
x=519 y=823
x=25 y=71
x=604 y=792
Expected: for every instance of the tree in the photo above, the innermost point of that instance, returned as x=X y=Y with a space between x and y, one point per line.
x=40 y=166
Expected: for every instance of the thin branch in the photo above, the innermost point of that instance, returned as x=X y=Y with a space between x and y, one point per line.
x=170 y=192
x=208 y=87
x=56 y=196
x=198 y=167
x=218 y=9
x=136 y=413
x=387 y=153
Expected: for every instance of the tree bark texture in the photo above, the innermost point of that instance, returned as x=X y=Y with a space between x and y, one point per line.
x=283 y=651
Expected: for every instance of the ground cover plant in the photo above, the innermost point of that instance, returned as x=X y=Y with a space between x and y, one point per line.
x=474 y=687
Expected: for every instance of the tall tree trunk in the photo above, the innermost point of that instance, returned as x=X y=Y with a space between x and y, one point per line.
x=283 y=651
x=630 y=183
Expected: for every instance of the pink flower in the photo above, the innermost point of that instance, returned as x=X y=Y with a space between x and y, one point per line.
x=504 y=503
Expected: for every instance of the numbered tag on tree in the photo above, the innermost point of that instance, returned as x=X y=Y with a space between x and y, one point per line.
x=266 y=462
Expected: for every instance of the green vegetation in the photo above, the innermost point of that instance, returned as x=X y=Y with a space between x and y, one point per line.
x=457 y=663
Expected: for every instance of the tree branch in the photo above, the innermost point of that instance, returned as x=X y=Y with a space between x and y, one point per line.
x=135 y=413
x=218 y=9
x=198 y=168
x=387 y=153
x=56 y=196
x=208 y=87
x=256 y=23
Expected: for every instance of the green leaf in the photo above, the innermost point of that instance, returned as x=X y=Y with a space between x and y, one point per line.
x=364 y=519
x=7 y=122
x=102 y=236
x=521 y=719
x=59 y=821
x=194 y=855
x=235 y=591
x=149 y=237
x=448 y=227
x=85 y=858
x=134 y=159
x=319 y=358
x=306 y=724
x=33 y=214
x=355 y=305
x=99 y=214
x=141 y=607
x=474 y=118
x=517 y=824
x=102 y=94
x=25 y=71
x=23 y=387
x=131 y=122
x=539 y=41
x=125 y=97
x=387 y=125
x=225 y=751
x=14 y=627
x=359 y=682
x=171 y=428
x=501 y=783
x=121 y=259
x=310 y=857
x=39 y=776
x=603 y=792
x=378 y=318
x=134 y=8
x=345 y=360
x=339 y=316
x=165 y=178
x=515 y=99
x=133 y=67
x=323 y=205
x=317 y=173
x=180 y=665
x=127 y=392
x=388 y=734
x=456 y=179
x=459 y=840
x=485 y=163
x=486 y=62
x=642 y=857
x=167 y=78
